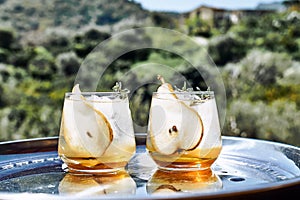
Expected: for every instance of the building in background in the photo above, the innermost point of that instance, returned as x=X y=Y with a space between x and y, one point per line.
x=207 y=17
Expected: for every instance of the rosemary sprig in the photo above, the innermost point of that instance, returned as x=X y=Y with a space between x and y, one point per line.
x=184 y=88
x=118 y=88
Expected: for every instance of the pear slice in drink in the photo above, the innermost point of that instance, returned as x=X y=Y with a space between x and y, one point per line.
x=174 y=126
x=86 y=130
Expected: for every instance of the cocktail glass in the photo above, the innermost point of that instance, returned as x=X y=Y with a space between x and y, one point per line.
x=184 y=130
x=96 y=133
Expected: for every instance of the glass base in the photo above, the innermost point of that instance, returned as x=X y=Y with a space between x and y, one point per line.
x=66 y=168
x=181 y=168
x=198 y=165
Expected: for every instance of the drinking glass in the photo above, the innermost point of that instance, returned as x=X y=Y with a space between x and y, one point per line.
x=96 y=133
x=184 y=130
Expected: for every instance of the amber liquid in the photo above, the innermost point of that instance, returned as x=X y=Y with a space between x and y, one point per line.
x=111 y=143
x=115 y=158
x=197 y=159
x=92 y=164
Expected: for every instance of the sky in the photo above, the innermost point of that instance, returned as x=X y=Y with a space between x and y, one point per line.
x=188 y=5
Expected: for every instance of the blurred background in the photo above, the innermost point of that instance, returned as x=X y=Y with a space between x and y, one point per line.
x=255 y=45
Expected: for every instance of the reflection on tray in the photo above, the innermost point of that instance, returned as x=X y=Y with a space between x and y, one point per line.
x=183 y=181
x=90 y=185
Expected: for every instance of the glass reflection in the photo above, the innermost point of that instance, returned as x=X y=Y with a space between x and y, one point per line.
x=168 y=182
x=117 y=183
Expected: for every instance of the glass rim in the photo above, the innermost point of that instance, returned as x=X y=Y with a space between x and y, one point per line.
x=95 y=93
x=186 y=92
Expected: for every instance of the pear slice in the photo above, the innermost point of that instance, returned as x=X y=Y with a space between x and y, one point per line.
x=174 y=126
x=163 y=91
x=86 y=130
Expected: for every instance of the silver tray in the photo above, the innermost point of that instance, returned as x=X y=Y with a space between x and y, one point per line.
x=246 y=169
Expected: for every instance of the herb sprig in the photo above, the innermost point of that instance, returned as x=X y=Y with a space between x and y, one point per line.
x=118 y=88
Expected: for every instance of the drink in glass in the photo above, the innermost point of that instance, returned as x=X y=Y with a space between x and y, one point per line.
x=96 y=133
x=183 y=129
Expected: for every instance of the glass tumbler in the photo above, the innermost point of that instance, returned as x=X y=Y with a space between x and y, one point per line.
x=184 y=130
x=96 y=133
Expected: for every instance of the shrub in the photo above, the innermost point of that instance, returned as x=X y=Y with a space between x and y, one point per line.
x=277 y=121
x=3 y=103
x=42 y=66
x=3 y=55
x=56 y=42
x=21 y=57
x=7 y=38
x=84 y=43
x=226 y=48
x=67 y=63
x=291 y=75
x=264 y=67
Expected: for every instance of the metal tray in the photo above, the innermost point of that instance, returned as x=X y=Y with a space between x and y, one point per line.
x=246 y=169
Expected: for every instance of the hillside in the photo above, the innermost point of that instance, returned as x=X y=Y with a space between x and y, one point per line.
x=41 y=15
x=42 y=44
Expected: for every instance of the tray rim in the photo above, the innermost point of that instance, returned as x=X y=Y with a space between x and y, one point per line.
x=231 y=192
x=140 y=140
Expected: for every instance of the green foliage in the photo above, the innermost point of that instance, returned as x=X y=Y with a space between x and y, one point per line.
x=7 y=38
x=32 y=107
x=276 y=32
x=140 y=113
x=291 y=75
x=21 y=57
x=56 y=42
x=3 y=103
x=84 y=43
x=164 y=20
x=42 y=65
x=226 y=48
x=69 y=14
x=258 y=59
x=39 y=65
x=263 y=100
x=198 y=27
x=257 y=74
x=277 y=121
x=3 y=55
x=265 y=67
x=68 y=63
x=165 y=58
